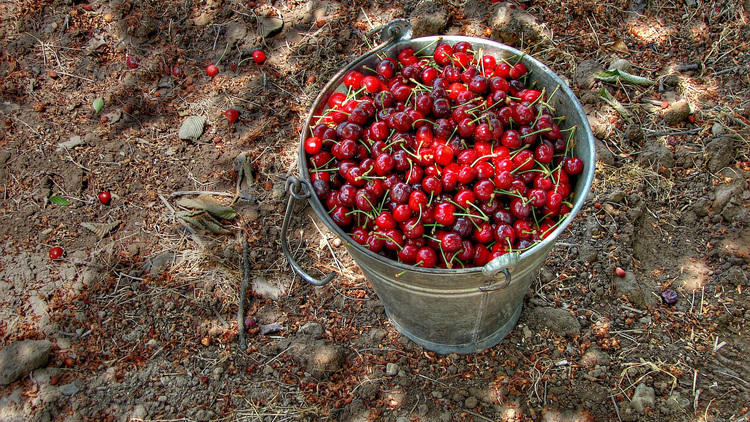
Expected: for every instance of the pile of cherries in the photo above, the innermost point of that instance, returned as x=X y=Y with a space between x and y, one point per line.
x=447 y=160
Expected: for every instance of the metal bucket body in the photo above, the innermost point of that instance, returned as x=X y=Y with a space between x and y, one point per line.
x=457 y=310
x=447 y=312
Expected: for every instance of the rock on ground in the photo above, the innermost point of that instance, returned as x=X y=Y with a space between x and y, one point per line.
x=20 y=358
x=583 y=76
x=558 y=321
x=630 y=287
x=656 y=155
x=513 y=25
x=643 y=397
x=677 y=112
x=719 y=153
x=603 y=154
x=428 y=18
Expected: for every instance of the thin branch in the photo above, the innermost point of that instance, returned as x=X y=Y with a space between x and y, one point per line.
x=243 y=289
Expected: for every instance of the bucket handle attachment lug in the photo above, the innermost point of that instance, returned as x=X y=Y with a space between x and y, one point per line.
x=501 y=264
x=298 y=190
x=393 y=30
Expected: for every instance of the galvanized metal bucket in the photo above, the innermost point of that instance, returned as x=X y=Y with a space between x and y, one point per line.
x=457 y=310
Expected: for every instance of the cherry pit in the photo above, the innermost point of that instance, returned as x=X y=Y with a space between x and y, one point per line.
x=445 y=160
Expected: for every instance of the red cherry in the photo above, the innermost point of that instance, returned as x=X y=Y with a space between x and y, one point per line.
x=313 y=144
x=620 y=272
x=573 y=165
x=131 y=62
x=426 y=257
x=212 y=70
x=176 y=71
x=353 y=79
x=55 y=253
x=104 y=197
x=259 y=56
x=232 y=115
x=517 y=71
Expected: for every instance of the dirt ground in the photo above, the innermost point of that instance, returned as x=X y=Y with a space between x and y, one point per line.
x=142 y=316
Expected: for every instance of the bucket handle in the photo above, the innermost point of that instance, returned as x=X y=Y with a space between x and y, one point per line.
x=501 y=264
x=298 y=190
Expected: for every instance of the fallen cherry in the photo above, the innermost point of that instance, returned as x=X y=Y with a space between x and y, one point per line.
x=669 y=297
x=104 y=197
x=259 y=56
x=212 y=70
x=620 y=272
x=250 y=323
x=55 y=253
x=131 y=62
x=176 y=71
x=232 y=115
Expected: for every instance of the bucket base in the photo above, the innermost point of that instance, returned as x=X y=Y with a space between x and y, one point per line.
x=465 y=348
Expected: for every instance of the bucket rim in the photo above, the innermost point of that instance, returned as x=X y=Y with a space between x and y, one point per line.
x=586 y=135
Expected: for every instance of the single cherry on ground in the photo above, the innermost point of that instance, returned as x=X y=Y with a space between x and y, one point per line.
x=56 y=253
x=104 y=197
x=232 y=115
x=259 y=56
x=212 y=70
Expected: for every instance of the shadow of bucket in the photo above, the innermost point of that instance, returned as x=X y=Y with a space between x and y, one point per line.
x=449 y=310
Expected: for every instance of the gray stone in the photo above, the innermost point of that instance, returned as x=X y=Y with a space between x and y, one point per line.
x=616 y=195
x=73 y=142
x=583 y=76
x=677 y=112
x=428 y=18
x=512 y=25
x=139 y=412
x=20 y=358
x=630 y=287
x=603 y=154
x=471 y=402
x=676 y=402
x=325 y=359
x=69 y=389
x=312 y=329
x=391 y=369
x=621 y=64
x=558 y=321
x=656 y=155
x=717 y=129
x=593 y=357
x=719 y=153
x=724 y=193
x=643 y=397
x=634 y=133
x=192 y=128
x=159 y=263
x=377 y=335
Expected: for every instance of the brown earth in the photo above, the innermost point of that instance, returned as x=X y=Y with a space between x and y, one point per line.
x=142 y=320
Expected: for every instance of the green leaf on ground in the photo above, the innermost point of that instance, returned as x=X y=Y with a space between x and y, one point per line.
x=207 y=203
x=59 y=200
x=204 y=222
x=612 y=101
x=614 y=75
x=98 y=104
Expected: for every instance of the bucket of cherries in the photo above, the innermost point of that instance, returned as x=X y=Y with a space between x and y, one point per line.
x=442 y=162
x=444 y=159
